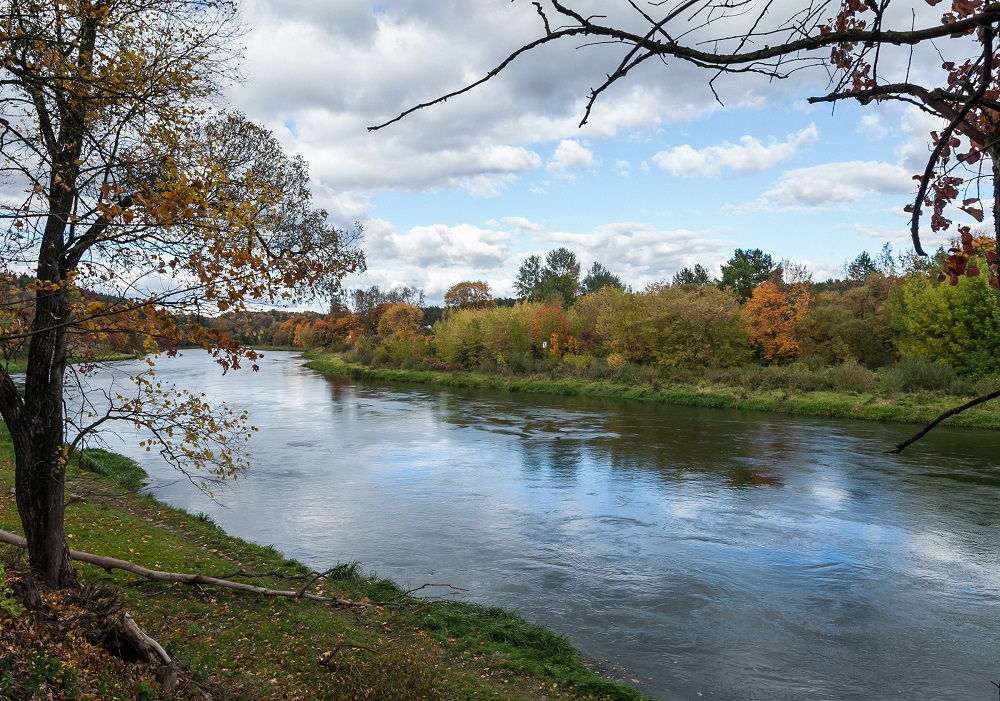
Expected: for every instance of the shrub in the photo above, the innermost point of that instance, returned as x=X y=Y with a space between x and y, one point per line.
x=851 y=377
x=918 y=374
x=696 y=327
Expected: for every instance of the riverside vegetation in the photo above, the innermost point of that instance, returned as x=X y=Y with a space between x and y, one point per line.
x=240 y=646
x=888 y=342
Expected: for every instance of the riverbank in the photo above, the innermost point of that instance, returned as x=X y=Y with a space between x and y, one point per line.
x=19 y=364
x=236 y=645
x=902 y=407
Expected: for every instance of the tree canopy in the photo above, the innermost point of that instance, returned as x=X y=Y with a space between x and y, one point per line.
x=559 y=277
x=745 y=270
x=469 y=295
x=137 y=188
x=599 y=277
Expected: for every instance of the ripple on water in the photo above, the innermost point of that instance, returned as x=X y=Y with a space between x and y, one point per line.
x=738 y=555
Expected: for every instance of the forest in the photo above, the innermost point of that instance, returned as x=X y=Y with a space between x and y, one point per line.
x=889 y=321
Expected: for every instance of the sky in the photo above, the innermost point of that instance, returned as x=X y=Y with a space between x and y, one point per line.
x=662 y=177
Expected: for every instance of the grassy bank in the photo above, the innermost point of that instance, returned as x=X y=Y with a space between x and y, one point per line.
x=906 y=407
x=20 y=364
x=241 y=646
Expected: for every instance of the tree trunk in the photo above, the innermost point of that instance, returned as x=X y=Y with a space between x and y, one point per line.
x=39 y=483
x=37 y=427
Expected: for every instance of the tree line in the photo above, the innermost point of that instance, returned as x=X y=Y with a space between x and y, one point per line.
x=885 y=308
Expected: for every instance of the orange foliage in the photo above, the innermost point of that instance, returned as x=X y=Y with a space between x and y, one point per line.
x=771 y=315
x=551 y=328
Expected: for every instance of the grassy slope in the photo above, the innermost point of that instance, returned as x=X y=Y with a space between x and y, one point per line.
x=20 y=364
x=247 y=647
x=906 y=408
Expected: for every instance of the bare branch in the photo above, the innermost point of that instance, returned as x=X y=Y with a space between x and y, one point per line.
x=948 y=414
x=548 y=38
x=111 y=563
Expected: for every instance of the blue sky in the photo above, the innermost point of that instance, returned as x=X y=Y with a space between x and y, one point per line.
x=663 y=176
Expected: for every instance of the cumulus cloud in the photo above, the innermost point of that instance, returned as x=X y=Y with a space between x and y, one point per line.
x=836 y=183
x=640 y=253
x=523 y=224
x=570 y=158
x=748 y=156
x=873 y=125
x=437 y=246
x=319 y=75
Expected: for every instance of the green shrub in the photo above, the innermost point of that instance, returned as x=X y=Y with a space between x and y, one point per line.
x=917 y=374
x=852 y=377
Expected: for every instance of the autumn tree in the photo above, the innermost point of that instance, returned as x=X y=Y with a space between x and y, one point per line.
x=696 y=326
x=400 y=320
x=550 y=331
x=135 y=186
x=469 y=295
x=771 y=316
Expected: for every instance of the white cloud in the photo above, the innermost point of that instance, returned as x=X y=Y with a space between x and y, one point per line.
x=837 y=183
x=570 y=157
x=748 y=156
x=640 y=253
x=873 y=125
x=524 y=225
x=438 y=246
x=916 y=127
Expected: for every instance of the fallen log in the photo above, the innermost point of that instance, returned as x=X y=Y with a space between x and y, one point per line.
x=111 y=563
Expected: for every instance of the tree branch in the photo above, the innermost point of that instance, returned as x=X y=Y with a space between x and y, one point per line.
x=110 y=563
x=951 y=412
x=549 y=37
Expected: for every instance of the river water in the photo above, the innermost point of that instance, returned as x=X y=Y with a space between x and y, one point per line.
x=712 y=554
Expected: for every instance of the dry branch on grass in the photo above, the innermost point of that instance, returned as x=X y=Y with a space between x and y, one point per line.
x=111 y=563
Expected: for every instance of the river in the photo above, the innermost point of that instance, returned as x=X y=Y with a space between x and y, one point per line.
x=712 y=554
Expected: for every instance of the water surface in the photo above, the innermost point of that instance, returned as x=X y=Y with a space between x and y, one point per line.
x=722 y=553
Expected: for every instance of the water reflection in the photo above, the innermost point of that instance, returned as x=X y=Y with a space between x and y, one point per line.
x=741 y=556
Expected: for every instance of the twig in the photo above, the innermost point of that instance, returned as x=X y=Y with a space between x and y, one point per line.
x=408 y=592
x=328 y=656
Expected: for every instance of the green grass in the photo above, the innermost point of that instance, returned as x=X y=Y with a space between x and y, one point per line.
x=19 y=364
x=116 y=469
x=240 y=646
x=915 y=407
